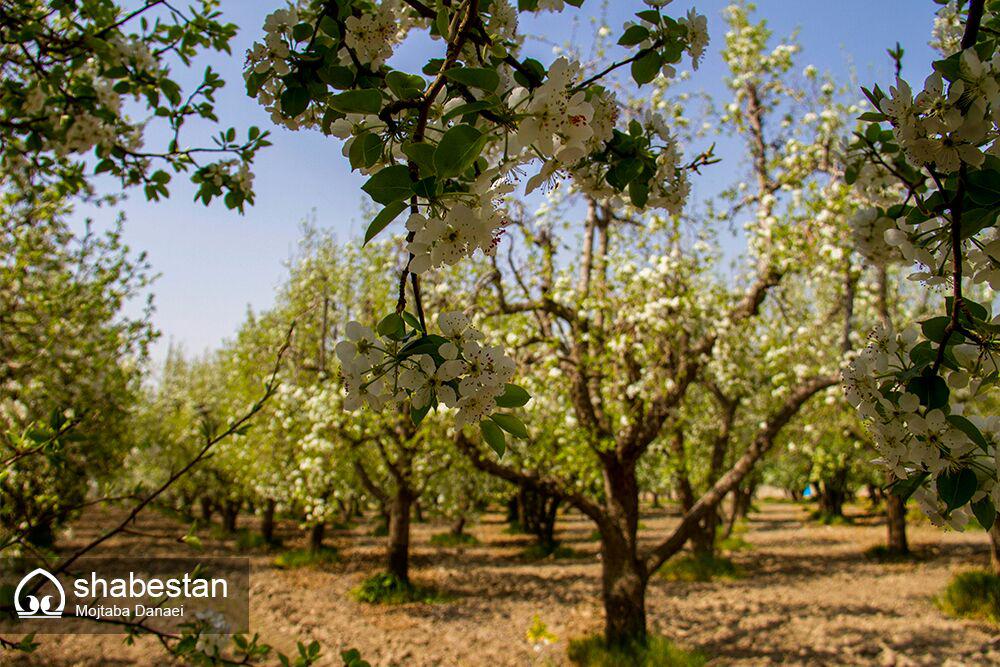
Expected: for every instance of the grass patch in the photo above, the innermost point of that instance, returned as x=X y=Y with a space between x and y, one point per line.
x=249 y=540
x=381 y=529
x=305 y=558
x=735 y=541
x=514 y=528
x=449 y=539
x=386 y=588
x=657 y=652
x=974 y=594
x=700 y=568
x=539 y=551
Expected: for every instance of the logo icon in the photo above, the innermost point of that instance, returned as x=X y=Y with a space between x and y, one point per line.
x=39 y=606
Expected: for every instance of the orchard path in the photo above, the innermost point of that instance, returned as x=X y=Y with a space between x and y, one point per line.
x=810 y=596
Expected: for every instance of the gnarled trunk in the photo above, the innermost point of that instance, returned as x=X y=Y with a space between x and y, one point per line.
x=623 y=586
x=230 y=511
x=399 y=535
x=316 y=535
x=418 y=511
x=703 y=537
x=538 y=514
x=623 y=574
x=206 y=509
x=833 y=494
x=267 y=521
x=895 y=510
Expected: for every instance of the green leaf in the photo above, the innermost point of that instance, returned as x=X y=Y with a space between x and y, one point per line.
x=389 y=185
x=426 y=187
x=494 y=437
x=969 y=429
x=441 y=21
x=412 y=320
x=851 y=174
x=421 y=153
x=471 y=107
x=984 y=189
x=904 y=488
x=934 y=328
x=513 y=396
x=423 y=345
x=474 y=77
x=337 y=76
x=638 y=192
x=872 y=116
x=357 y=101
x=931 y=389
x=976 y=220
x=392 y=326
x=382 y=220
x=644 y=69
x=417 y=416
x=956 y=487
x=405 y=86
x=623 y=173
x=985 y=513
x=922 y=354
x=978 y=311
x=458 y=150
x=365 y=150
x=633 y=35
x=511 y=424
x=294 y=101
x=302 y=31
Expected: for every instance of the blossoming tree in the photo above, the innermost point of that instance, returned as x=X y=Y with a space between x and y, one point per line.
x=928 y=164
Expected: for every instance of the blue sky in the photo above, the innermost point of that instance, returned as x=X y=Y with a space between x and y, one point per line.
x=213 y=263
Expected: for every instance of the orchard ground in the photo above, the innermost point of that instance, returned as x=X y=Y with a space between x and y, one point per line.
x=809 y=594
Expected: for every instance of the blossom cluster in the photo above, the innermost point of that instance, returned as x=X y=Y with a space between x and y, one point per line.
x=557 y=117
x=946 y=126
x=82 y=94
x=916 y=430
x=448 y=145
x=931 y=178
x=455 y=368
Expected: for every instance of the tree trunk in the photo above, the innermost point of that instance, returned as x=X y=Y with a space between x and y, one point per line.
x=399 y=536
x=316 y=535
x=458 y=526
x=995 y=548
x=623 y=574
x=206 y=509
x=833 y=493
x=895 y=510
x=703 y=538
x=267 y=521
x=624 y=590
x=418 y=511
x=742 y=499
x=538 y=513
x=230 y=511
x=656 y=500
x=512 y=510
